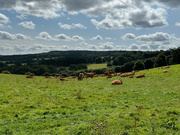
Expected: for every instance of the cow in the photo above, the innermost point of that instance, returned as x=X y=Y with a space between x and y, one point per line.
x=90 y=75
x=140 y=75
x=124 y=75
x=81 y=76
x=63 y=79
x=131 y=76
x=71 y=77
x=32 y=75
x=165 y=71
x=117 y=82
x=166 y=67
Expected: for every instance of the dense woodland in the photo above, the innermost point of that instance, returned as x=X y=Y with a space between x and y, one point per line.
x=68 y=63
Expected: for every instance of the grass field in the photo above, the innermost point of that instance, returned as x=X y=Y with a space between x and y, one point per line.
x=144 y=106
x=97 y=66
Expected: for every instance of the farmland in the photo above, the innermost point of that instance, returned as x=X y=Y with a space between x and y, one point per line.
x=147 y=105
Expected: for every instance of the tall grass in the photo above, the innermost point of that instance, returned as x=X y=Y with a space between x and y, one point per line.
x=147 y=105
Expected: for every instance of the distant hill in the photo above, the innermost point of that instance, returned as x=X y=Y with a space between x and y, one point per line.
x=30 y=58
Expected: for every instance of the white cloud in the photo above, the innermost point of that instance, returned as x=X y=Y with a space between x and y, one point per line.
x=107 y=46
x=72 y=26
x=63 y=37
x=45 y=36
x=8 y=36
x=28 y=25
x=177 y=24
x=21 y=36
x=47 y=9
x=98 y=37
x=128 y=36
x=3 y=19
x=76 y=38
x=134 y=47
x=156 y=37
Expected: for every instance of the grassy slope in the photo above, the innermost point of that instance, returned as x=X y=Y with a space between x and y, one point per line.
x=48 y=106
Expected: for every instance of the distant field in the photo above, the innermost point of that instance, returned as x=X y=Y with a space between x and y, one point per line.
x=97 y=66
x=42 y=106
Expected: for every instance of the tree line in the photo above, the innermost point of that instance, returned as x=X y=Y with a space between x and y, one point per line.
x=66 y=66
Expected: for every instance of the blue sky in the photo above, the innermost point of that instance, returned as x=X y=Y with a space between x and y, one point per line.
x=35 y=26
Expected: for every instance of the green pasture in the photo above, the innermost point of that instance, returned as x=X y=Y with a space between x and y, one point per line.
x=42 y=106
x=97 y=66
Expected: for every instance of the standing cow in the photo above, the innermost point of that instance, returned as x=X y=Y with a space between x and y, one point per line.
x=81 y=76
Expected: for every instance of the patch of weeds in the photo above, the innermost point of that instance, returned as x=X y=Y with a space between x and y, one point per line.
x=100 y=127
x=79 y=95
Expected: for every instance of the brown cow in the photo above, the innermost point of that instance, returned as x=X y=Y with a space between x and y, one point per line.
x=117 y=82
x=81 y=76
x=63 y=79
x=166 y=67
x=165 y=71
x=131 y=76
x=71 y=77
x=140 y=75
x=32 y=75
x=90 y=75
x=124 y=75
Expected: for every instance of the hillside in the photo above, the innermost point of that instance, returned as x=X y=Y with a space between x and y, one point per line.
x=147 y=105
x=30 y=58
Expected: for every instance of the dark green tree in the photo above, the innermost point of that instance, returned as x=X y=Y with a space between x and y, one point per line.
x=128 y=67
x=99 y=60
x=175 y=56
x=139 y=65
x=120 y=60
x=149 y=63
x=160 y=60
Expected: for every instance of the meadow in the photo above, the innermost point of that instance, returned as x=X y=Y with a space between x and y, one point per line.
x=140 y=106
x=97 y=66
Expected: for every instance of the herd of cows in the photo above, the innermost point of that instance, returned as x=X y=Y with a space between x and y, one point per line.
x=108 y=74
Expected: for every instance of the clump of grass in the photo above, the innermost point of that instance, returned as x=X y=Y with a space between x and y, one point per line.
x=79 y=95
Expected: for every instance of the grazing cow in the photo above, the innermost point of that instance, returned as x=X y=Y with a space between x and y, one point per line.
x=165 y=71
x=81 y=76
x=117 y=82
x=131 y=76
x=90 y=75
x=140 y=75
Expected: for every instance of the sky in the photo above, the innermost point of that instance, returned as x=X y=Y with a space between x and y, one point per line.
x=36 y=26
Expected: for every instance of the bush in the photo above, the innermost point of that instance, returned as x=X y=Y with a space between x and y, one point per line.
x=5 y=72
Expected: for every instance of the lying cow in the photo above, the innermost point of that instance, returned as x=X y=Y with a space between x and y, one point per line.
x=117 y=82
x=90 y=75
x=140 y=76
x=165 y=71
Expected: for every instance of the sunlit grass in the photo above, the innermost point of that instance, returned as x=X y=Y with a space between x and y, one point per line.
x=91 y=106
x=97 y=66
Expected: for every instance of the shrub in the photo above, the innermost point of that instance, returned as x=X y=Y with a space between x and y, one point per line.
x=5 y=72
